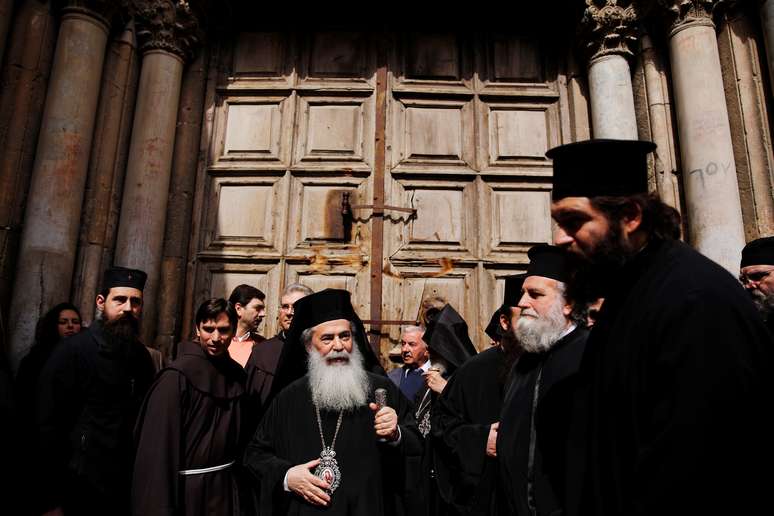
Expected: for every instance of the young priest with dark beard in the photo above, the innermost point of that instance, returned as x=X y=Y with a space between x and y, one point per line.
x=466 y=417
x=89 y=395
x=189 y=429
x=679 y=367
x=324 y=444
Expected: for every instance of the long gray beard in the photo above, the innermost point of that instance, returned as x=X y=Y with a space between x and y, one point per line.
x=539 y=335
x=337 y=387
x=764 y=304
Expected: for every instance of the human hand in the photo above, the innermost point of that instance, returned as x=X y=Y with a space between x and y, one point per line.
x=491 y=441
x=435 y=382
x=385 y=421
x=302 y=482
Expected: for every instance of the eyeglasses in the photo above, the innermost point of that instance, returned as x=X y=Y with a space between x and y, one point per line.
x=286 y=307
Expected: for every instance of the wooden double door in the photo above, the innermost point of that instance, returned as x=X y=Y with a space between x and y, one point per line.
x=394 y=165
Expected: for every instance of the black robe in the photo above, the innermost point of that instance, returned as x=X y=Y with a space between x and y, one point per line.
x=462 y=416
x=532 y=438
x=191 y=419
x=89 y=395
x=680 y=373
x=261 y=367
x=372 y=472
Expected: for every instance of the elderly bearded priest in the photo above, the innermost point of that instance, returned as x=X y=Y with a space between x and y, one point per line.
x=324 y=443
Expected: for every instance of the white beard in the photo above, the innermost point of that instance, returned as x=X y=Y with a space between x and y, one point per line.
x=764 y=303
x=338 y=386
x=537 y=335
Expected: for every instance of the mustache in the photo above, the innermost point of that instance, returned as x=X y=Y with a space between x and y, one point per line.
x=333 y=355
x=530 y=312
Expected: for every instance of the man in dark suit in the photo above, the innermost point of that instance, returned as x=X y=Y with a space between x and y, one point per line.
x=416 y=362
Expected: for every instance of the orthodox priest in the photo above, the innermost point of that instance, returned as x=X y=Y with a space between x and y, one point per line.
x=336 y=438
x=466 y=417
x=188 y=431
x=532 y=440
x=679 y=366
x=89 y=394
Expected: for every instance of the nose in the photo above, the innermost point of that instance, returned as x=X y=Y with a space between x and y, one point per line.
x=524 y=302
x=562 y=238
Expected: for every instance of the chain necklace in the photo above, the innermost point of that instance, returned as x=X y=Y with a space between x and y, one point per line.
x=328 y=469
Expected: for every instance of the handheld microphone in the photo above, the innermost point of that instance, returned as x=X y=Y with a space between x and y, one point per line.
x=380 y=397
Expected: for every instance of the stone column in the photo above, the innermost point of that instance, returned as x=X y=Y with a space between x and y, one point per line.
x=181 y=193
x=661 y=127
x=6 y=11
x=106 y=168
x=167 y=32
x=50 y=233
x=767 y=23
x=715 y=223
x=610 y=27
x=22 y=95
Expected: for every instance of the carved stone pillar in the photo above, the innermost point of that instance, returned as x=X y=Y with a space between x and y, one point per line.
x=181 y=194
x=167 y=33
x=610 y=27
x=106 y=168
x=767 y=22
x=6 y=10
x=52 y=216
x=715 y=223
x=23 y=84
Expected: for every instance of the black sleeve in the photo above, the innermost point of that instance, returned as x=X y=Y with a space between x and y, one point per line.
x=460 y=444
x=262 y=461
x=59 y=404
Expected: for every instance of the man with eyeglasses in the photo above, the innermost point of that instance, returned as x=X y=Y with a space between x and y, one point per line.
x=757 y=276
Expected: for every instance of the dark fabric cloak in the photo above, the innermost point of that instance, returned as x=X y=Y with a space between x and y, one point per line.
x=89 y=395
x=532 y=438
x=191 y=419
x=373 y=474
x=680 y=372
x=462 y=416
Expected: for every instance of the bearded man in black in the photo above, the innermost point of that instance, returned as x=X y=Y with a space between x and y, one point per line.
x=89 y=394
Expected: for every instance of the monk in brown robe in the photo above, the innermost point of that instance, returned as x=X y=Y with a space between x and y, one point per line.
x=188 y=432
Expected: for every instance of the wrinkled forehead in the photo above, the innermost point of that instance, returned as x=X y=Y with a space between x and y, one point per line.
x=413 y=336
x=541 y=283
x=291 y=298
x=335 y=326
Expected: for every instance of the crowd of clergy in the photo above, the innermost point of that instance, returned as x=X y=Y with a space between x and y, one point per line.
x=627 y=375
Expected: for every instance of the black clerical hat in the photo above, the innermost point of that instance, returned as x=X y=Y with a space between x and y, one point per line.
x=600 y=167
x=308 y=312
x=448 y=337
x=548 y=261
x=513 y=286
x=758 y=252
x=493 y=329
x=123 y=277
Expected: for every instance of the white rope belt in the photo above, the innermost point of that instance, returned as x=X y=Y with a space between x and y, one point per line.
x=211 y=469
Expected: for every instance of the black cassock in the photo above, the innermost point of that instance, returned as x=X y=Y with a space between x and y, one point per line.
x=373 y=474
x=191 y=419
x=461 y=419
x=532 y=441
x=89 y=394
x=681 y=378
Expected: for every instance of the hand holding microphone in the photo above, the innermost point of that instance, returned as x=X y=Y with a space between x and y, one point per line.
x=385 y=418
